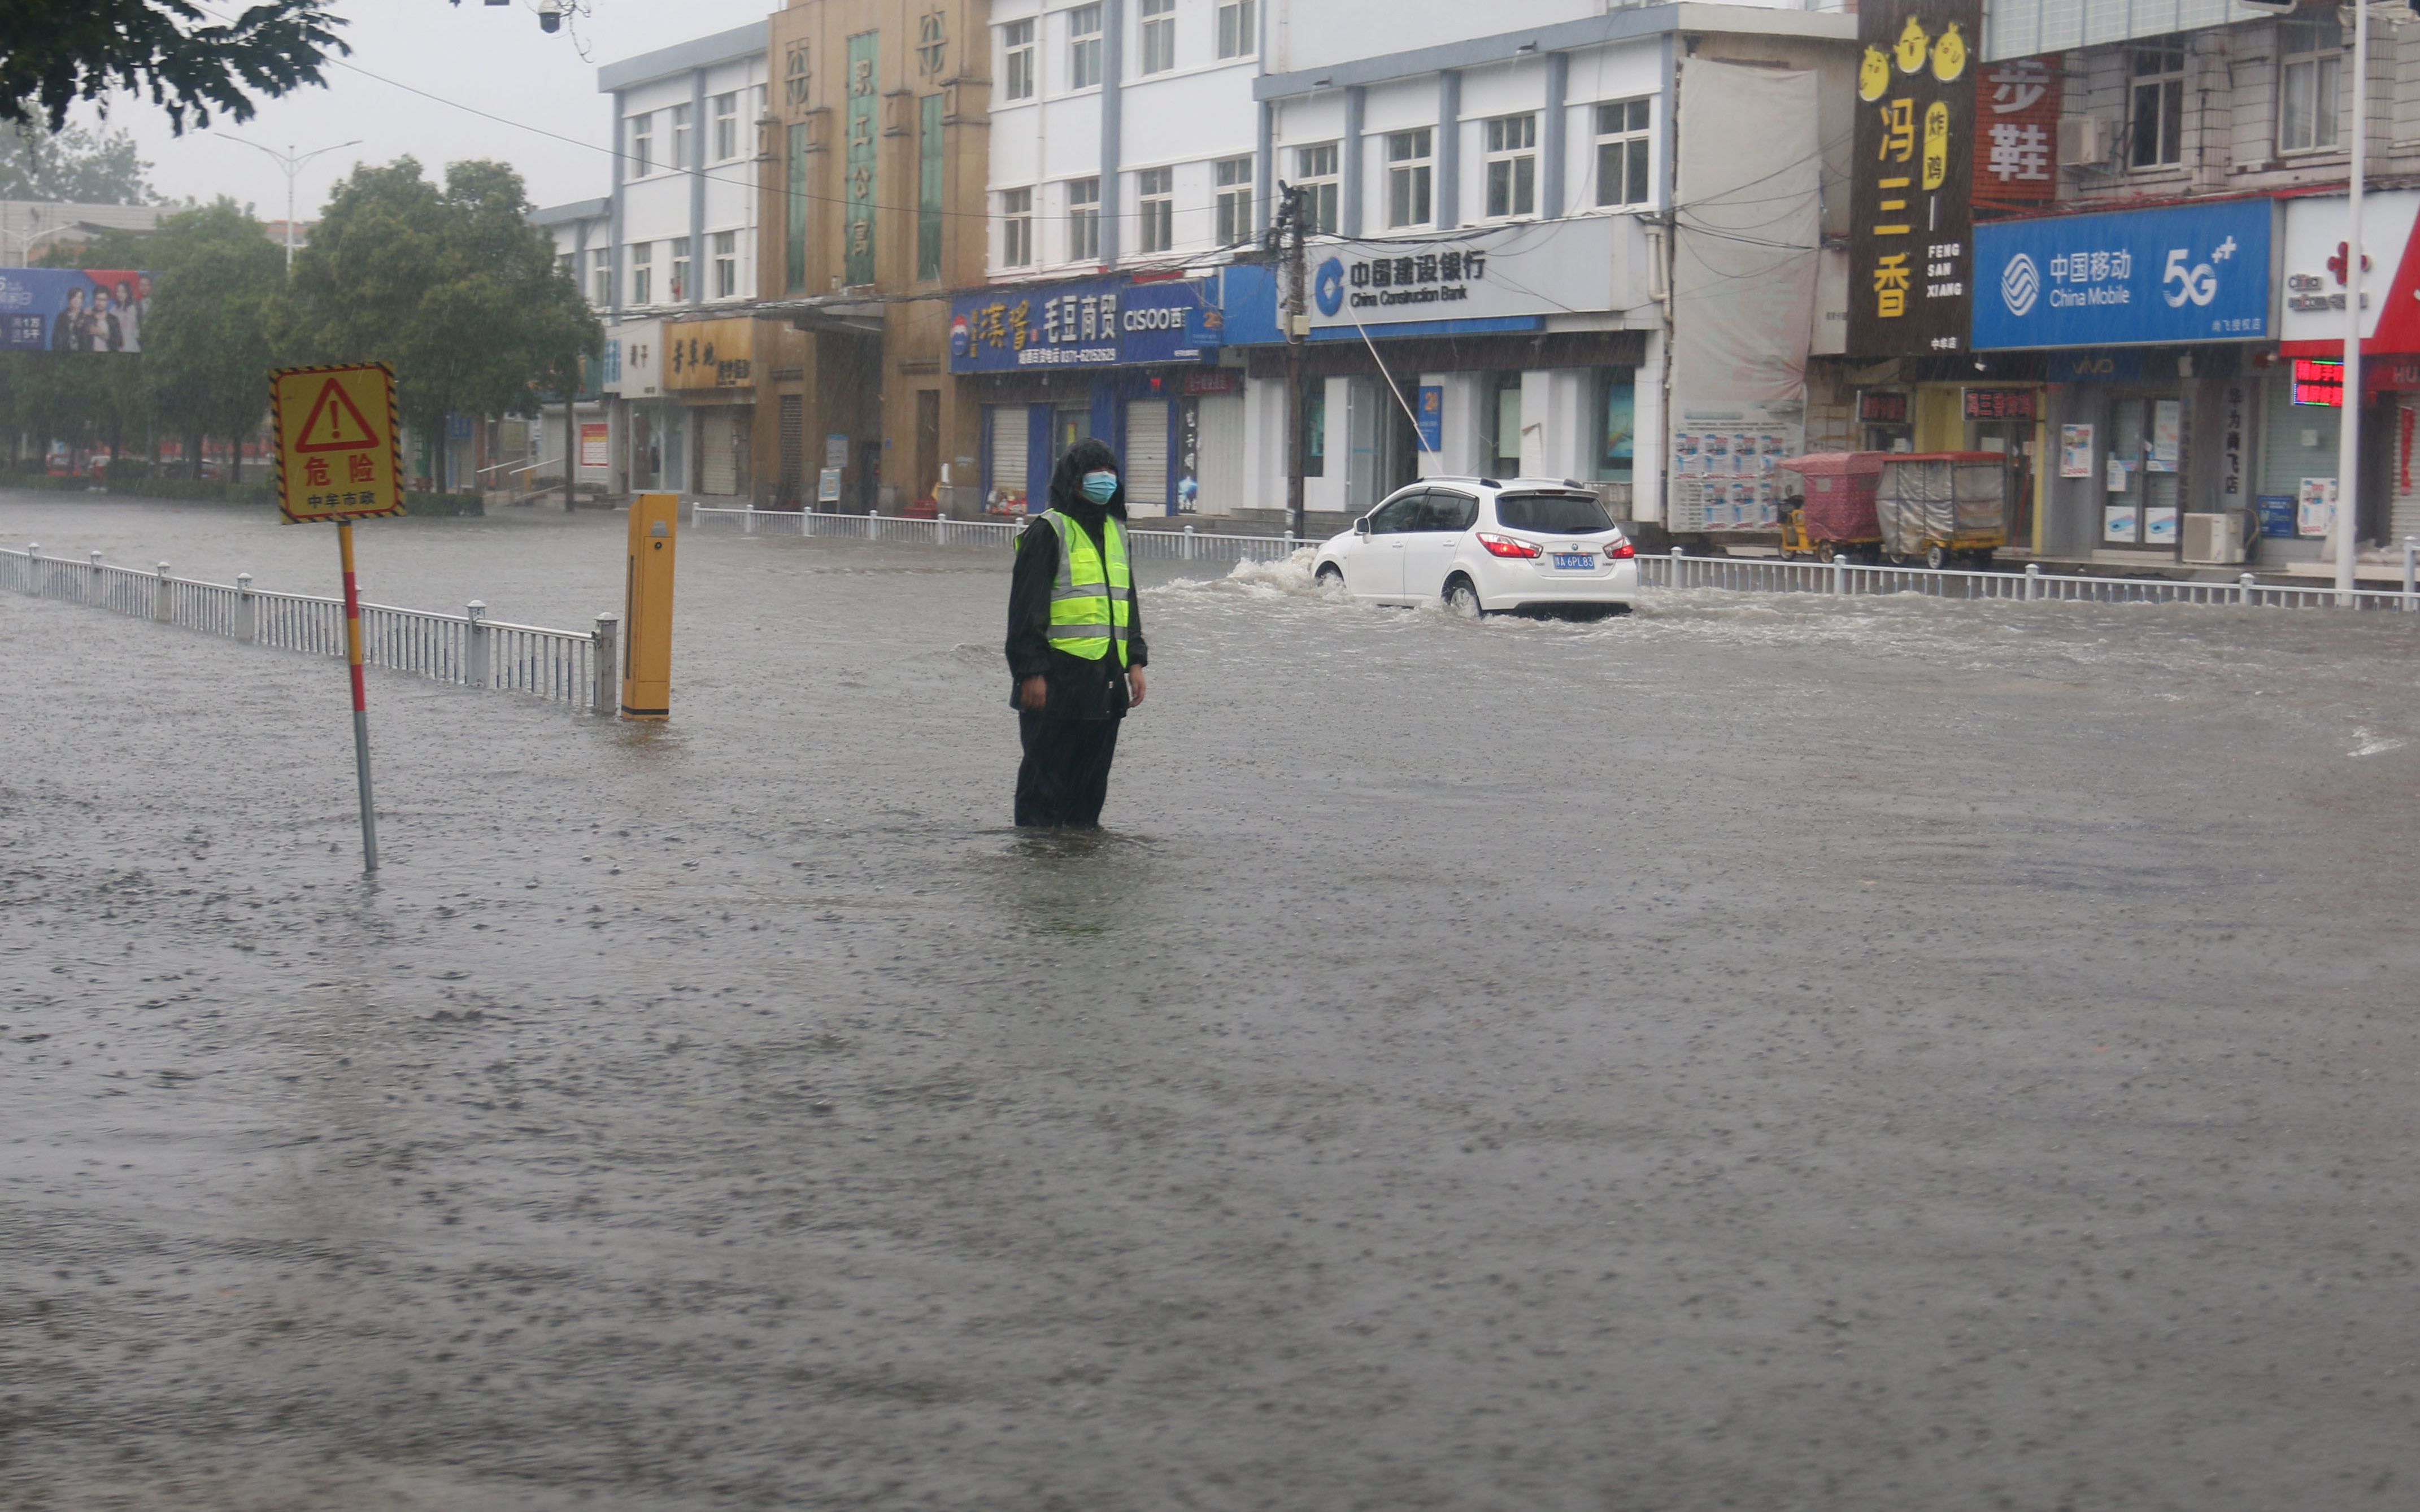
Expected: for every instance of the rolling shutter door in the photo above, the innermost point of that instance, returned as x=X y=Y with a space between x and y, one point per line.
x=1008 y=427
x=794 y=445
x=1223 y=454
x=2404 y=510
x=1147 y=457
x=715 y=473
x=2285 y=461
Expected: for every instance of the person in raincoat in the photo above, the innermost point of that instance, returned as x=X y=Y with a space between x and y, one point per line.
x=1076 y=651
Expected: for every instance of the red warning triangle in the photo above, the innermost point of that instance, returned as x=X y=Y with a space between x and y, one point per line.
x=327 y=430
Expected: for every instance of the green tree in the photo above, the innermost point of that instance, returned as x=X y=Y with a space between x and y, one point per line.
x=207 y=345
x=79 y=165
x=450 y=285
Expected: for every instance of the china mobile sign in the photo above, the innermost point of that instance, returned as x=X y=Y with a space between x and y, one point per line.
x=2188 y=274
x=1527 y=270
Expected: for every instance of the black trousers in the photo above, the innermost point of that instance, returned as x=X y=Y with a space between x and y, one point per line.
x=1065 y=774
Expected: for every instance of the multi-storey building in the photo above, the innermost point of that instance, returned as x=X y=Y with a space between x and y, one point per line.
x=584 y=235
x=1493 y=269
x=2155 y=322
x=873 y=211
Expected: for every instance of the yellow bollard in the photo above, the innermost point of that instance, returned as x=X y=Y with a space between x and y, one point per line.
x=647 y=609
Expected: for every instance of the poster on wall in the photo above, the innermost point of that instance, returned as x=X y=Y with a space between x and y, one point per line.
x=2117 y=522
x=2167 y=435
x=1188 y=456
x=1724 y=462
x=2075 y=451
x=1911 y=214
x=2315 y=507
x=2160 y=525
x=593 y=440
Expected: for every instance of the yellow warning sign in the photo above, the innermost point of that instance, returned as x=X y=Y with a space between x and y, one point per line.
x=339 y=450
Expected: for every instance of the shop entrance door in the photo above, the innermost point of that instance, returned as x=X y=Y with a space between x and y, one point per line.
x=2014 y=439
x=2140 y=489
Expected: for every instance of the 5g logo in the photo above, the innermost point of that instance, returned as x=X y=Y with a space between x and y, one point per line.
x=2198 y=283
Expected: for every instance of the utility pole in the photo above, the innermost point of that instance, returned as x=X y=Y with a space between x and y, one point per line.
x=2346 y=529
x=292 y=163
x=1297 y=322
x=571 y=441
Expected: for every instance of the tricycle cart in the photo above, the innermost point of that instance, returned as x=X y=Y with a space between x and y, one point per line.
x=1835 y=516
x=1949 y=509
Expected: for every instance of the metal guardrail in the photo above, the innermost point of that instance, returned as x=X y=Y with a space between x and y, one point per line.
x=1187 y=545
x=1770 y=575
x=573 y=666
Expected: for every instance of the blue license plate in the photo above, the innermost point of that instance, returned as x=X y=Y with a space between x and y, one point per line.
x=1574 y=561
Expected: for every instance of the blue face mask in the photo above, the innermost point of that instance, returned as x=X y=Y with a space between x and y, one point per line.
x=1100 y=487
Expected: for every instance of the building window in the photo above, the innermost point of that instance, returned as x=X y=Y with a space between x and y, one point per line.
x=568 y=264
x=1015 y=227
x=1239 y=32
x=1083 y=220
x=1016 y=67
x=726 y=264
x=2307 y=110
x=1157 y=204
x=1314 y=173
x=643 y=272
x=1408 y=177
x=1512 y=165
x=1084 y=47
x=643 y=145
x=1158 y=34
x=2159 y=104
x=682 y=136
x=1621 y=153
x=600 y=278
x=680 y=287
x=1234 y=177
x=928 y=188
x=726 y=127
x=1617 y=423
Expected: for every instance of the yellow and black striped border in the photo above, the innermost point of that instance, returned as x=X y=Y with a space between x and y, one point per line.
x=394 y=436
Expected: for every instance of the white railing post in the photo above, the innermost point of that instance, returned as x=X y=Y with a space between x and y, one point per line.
x=478 y=670
x=606 y=695
x=747 y=520
x=2244 y=589
x=92 y=593
x=2411 y=573
x=161 y=606
x=1188 y=545
x=1840 y=575
x=1675 y=581
x=247 y=609
x=34 y=568
x=2033 y=582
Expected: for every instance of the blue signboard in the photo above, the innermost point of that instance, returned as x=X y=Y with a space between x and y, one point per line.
x=1431 y=419
x=1093 y=322
x=2277 y=515
x=2191 y=273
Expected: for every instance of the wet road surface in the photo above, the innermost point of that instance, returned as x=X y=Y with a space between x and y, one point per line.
x=1762 y=1054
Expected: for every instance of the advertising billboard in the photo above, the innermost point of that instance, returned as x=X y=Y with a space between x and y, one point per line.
x=73 y=309
x=1910 y=209
x=2131 y=278
x=1088 y=322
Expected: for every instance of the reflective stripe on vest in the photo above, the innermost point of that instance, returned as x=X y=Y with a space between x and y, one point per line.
x=1092 y=601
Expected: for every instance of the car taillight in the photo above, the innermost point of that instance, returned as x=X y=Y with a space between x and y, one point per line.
x=1504 y=546
x=1620 y=551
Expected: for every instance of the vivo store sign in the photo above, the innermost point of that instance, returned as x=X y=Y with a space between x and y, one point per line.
x=2192 y=273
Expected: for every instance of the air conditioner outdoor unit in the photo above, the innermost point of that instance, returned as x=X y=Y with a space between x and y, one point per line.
x=2083 y=141
x=2214 y=540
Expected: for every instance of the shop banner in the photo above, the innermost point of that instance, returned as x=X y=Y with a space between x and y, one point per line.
x=1534 y=269
x=70 y=310
x=2016 y=136
x=710 y=354
x=1910 y=209
x=1093 y=322
x=2131 y=278
x=2312 y=324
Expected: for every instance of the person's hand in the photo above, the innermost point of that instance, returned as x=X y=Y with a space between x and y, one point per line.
x=1134 y=686
x=1034 y=693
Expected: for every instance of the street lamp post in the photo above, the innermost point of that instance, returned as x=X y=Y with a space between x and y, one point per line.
x=292 y=162
x=2343 y=529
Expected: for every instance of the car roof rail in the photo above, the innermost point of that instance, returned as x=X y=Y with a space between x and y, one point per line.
x=1489 y=483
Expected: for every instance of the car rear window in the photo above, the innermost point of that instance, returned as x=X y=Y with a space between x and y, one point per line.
x=1552 y=513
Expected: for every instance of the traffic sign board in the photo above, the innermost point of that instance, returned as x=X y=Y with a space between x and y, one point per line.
x=339 y=449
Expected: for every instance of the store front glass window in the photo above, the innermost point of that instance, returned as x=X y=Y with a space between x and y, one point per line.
x=1314 y=428
x=1617 y=423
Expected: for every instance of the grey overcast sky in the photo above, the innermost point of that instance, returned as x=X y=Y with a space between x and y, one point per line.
x=491 y=57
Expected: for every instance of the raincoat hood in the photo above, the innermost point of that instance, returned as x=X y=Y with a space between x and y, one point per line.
x=1067 y=482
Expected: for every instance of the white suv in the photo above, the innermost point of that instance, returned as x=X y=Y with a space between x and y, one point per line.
x=1483 y=546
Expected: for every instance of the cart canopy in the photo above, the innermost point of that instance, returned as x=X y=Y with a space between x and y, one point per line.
x=1957 y=499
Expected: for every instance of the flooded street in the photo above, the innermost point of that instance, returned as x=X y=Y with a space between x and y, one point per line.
x=1764 y=1053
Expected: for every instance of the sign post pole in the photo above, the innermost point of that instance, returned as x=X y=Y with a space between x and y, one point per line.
x=2347 y=511
x=361 y=695
x=340 y=458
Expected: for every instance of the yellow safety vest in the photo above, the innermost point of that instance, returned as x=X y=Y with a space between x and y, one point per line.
x=1092 y=602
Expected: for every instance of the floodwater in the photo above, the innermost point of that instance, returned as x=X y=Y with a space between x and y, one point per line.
x=1763 y=1053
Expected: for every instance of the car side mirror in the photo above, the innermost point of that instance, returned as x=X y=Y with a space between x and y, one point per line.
x=1361 y=526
